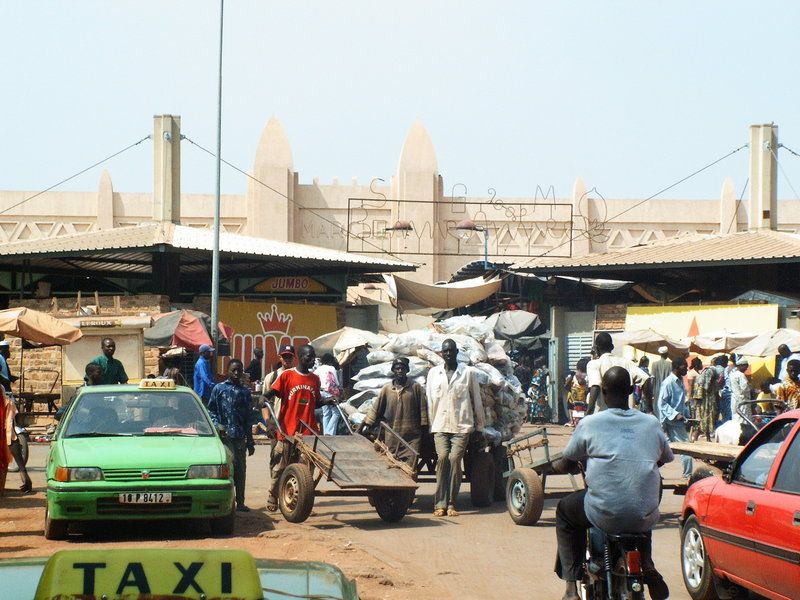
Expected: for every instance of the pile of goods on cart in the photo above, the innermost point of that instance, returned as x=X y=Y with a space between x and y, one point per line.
x=500 y=390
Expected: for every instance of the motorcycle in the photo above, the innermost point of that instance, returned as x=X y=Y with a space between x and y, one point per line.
x=613 y=567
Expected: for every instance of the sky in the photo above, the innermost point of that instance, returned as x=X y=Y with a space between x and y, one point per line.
x=632 y=96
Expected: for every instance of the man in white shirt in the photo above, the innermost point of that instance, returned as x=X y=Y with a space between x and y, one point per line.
x=455 y=410
x=740 y=389
x=604 y=361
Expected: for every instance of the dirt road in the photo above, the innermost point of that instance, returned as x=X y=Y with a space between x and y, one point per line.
x=479 y=555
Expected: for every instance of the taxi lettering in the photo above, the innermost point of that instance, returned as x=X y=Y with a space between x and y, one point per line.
x=134 y=577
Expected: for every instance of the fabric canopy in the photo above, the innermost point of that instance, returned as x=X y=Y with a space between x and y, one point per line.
x=185 y=328
x=343 y=342
x=514 y=324
x=410 y=296
x=38 y=327
x=649 y=340
x=718 y=341
x=767 y=343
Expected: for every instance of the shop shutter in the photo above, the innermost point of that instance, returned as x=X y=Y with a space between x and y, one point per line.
x=579 y=345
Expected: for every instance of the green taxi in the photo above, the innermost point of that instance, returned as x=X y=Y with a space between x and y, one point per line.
x=147 y=451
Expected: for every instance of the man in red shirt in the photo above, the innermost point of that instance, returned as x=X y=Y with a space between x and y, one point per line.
x=298 y=389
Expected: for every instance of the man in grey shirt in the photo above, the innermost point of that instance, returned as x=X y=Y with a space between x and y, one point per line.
x=622 y=449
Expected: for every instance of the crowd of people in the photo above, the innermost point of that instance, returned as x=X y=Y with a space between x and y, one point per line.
x=633 y=411
x=701 y=398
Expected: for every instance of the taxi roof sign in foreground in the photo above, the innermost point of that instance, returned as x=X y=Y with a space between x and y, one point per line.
x=150 y=573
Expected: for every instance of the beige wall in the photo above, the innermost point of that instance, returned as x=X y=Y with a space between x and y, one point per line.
x=316 y=213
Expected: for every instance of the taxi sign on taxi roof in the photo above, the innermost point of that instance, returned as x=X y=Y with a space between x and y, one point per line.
x=157 y=384
x=150 y=573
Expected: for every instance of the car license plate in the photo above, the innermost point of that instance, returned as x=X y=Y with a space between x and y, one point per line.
x=145 y=498
x=578 y=414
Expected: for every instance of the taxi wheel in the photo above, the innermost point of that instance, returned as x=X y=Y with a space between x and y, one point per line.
x=296 y=493
x=524 y=496
x=54 y=529
x=223 y=525
x=698 y=576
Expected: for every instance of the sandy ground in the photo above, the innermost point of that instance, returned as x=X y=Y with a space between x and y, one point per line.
x=479 y=555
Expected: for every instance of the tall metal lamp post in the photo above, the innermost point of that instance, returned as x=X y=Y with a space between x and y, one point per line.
x=466 y=227
x=215 y=250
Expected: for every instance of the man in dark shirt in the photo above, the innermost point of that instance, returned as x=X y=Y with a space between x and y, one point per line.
x=113 y=371
x=230 y=407
x=254 y=368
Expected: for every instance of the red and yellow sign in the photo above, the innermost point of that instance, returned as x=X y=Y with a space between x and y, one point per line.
x=270 y=325
x=290 y=284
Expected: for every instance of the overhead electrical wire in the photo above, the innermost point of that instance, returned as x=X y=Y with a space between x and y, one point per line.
x=81 y=172
x=295 y=202
x=651 y=197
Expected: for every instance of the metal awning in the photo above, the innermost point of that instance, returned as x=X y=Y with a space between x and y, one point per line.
x=129 y=252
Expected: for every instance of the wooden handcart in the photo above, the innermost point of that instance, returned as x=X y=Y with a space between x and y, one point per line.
x=529 y=463
x=357 y=466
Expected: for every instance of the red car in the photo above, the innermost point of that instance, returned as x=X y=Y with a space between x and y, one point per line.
x=744 y=529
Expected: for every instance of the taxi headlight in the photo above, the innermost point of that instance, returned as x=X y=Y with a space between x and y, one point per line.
x=79 y=474
x=208 y=472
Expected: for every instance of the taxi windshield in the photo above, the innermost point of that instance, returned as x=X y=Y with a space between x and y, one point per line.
x=137 y=412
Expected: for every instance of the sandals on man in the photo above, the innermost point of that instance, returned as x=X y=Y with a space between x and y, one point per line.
x=452 y=512
x=439 y=512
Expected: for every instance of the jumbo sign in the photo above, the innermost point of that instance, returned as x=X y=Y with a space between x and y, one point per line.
x=270 y=325
x=291 y=284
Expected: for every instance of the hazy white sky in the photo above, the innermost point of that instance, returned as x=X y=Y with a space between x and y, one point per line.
x=630 y=95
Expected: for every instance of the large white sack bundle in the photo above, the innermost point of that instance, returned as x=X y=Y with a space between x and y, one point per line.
x=374 y=384
x=380 y=356
x=474 y=327
x=430 y=356
x=405 y=343
x=417 y=366
x=357 y=400
x=496 y=355
x=495 y=377
x=466 y=345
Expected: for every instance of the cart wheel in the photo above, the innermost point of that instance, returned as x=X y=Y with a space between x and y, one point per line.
x=481 y=480
x=296 y=493
x=500 y=466
x=524 y=496
x=54 y=529
x=392 y=505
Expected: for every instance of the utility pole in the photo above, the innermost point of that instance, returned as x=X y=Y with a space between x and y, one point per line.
x=215 y=252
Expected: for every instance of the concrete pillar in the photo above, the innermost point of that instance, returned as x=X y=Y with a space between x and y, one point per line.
x=418 y=180
x=270 y=212
x=105 y=202
x=728 y=208
x=763 y=209
x=167 y=168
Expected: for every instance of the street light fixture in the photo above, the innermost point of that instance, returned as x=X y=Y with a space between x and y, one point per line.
x=404 y=226
x=468 y=225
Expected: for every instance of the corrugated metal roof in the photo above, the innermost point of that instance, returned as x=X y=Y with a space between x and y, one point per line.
x=695 y=250
x=151 y=235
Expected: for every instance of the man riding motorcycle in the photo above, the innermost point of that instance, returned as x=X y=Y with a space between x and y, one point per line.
x=622 y=450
